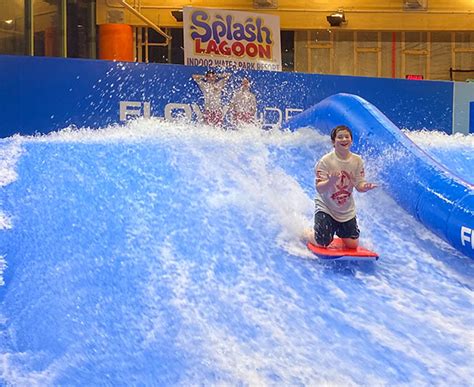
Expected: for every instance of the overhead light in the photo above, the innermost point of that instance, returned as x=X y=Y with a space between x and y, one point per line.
x=336 y=19
x=415 y=5
x=8 y=24
x=178 y=15
x=265 y=3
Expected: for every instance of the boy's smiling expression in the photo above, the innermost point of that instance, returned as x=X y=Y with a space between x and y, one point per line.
x=343 y=142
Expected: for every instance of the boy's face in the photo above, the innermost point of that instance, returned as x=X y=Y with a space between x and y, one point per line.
x=343 y=141
x=211 y=77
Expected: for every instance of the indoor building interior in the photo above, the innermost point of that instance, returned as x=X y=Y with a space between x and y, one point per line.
x=425 y=39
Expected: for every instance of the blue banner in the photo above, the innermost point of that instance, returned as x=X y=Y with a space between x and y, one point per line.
x=39 y=94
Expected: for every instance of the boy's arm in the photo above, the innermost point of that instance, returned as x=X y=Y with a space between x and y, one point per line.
x=325 y=179
x=364 y=186
x=222 y=80
x=323 y=185
x=198 y=78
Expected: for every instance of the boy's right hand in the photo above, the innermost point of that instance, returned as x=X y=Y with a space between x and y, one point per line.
x=333 y=177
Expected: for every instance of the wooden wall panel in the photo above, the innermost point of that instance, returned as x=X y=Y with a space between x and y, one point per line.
x=376 y=15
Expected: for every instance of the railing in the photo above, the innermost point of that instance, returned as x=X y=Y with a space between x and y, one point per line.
x=142 y=17
x=451 y=71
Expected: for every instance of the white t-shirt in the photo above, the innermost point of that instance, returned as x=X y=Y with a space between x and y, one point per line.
x=244 y=101
x=338 y=200
x=212 y=92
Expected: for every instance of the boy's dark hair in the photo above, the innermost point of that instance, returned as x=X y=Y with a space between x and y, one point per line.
x=338 y=129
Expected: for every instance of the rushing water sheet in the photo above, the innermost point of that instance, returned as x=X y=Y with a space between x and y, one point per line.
x=455 y=152
x=170 y=254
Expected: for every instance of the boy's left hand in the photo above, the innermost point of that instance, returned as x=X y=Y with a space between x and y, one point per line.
x=365 y=186
x=369 y=186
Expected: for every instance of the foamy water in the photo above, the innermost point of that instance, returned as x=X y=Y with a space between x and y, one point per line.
x=157 y=253
x=455 y=152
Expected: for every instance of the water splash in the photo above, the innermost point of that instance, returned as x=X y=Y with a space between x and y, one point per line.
x=456 y=151
x=167 y=253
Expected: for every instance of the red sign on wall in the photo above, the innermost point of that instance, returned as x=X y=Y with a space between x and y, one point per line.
x=416 y=77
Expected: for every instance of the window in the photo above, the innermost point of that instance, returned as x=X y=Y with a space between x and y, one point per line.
x=12 y=28
x=287 y=50
x=81 y=29
x=48 y=34
x=152 y=46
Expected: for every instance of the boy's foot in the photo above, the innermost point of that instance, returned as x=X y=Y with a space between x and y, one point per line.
x=308 y=236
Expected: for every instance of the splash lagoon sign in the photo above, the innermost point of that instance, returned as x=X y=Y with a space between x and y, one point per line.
x=231 y=39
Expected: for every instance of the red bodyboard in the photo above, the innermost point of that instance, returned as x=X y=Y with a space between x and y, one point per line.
x=337 y=251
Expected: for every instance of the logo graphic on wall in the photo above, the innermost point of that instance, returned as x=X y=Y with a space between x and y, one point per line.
x=232 y=39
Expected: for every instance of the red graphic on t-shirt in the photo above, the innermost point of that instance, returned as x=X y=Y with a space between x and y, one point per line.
x=342 y=194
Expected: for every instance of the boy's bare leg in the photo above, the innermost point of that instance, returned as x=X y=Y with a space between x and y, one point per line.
x=308 y=236
x=351 y=243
